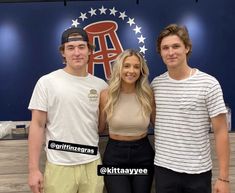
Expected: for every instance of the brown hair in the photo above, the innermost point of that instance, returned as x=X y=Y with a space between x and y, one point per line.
x=180 y=31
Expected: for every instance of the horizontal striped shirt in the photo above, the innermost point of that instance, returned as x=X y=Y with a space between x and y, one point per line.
x=182 y=124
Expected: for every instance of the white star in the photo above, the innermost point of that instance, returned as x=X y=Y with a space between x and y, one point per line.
x=131 y=21
x=141 y=39
x=92 y=12
x=83 y=16
x=122 y=15
x=102 y=10
x=137 y=29
x=75 y=23
x=113 y=11
x=143 y=49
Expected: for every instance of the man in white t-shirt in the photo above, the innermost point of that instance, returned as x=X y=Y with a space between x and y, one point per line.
x=64 y=107
x=188 y=102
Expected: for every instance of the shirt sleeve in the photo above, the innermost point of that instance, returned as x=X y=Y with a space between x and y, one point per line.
x=214 y=100
x=39 y=100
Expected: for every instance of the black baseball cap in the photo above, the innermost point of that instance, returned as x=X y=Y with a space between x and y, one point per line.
x=65 y=36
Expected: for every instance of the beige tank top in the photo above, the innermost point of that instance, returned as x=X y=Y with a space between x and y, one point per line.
x=127 y=119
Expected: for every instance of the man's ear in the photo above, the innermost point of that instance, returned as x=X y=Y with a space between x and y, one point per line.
x=62 y=53
x=187 y=48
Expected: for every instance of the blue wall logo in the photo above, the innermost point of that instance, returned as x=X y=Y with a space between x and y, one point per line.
x=111 y=31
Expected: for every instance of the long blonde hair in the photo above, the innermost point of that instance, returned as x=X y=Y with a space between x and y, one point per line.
x=143 y=90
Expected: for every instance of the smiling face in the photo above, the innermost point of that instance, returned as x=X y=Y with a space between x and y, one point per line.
x=173 y=51
x=130 y=71
x=76 y=54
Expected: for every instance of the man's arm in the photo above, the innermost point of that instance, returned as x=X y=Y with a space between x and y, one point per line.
x=35 y=141
x=153 y=113
x=102 y=114
x=219 y=125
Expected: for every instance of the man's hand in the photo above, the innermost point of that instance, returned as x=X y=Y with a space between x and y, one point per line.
x=221 y=187
x=35 y=181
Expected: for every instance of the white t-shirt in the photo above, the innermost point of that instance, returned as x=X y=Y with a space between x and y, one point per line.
x=72 y=106
x=182 y=124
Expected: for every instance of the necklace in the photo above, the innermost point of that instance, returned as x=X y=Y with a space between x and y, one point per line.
x=173 y=76
x=191 y=72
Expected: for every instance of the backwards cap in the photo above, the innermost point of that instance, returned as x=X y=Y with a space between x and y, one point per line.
x=65 y=36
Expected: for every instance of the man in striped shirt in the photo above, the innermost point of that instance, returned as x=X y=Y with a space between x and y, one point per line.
x=188 y=103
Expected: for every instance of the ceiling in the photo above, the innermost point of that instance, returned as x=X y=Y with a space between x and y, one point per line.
x=29 y=1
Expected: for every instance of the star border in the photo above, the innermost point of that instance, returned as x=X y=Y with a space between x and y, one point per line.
x=114 y=12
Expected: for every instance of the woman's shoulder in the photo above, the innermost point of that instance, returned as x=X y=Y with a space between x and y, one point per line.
x=104 y=91
x=104 y=94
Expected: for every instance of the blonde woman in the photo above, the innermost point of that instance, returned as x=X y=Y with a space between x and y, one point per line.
x=126 y=106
